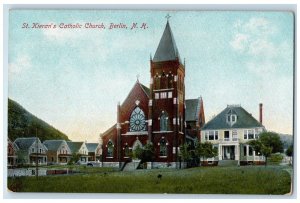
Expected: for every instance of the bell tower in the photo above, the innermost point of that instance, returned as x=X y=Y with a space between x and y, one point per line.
x=167 y=96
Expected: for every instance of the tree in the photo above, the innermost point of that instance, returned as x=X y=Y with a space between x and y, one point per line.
x=74 y=158
x=289 y=151
x=267 y=143
x=271 y=139
x=137 y=152
x=185 y=153
x=148 y=152
x=205 y=150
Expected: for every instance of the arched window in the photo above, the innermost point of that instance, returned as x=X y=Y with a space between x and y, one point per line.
x=170 y=81
x=164 y=121
x=137 y=120
x=164 y=81
x=163 y=148
x=110 y=149
x=157 y=82
x=127 y=151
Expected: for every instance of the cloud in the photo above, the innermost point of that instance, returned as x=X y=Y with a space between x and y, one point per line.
x=20 y=65
x=58 y=34
x=254 y=40
x=239 y=42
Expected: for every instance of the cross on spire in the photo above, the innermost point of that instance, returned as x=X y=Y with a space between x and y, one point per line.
x=167 y=17
x=137 y=77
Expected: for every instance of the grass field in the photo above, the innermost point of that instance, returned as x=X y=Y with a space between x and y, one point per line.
x=201 y=180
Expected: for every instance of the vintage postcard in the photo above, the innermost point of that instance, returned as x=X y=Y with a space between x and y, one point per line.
x=150 y=102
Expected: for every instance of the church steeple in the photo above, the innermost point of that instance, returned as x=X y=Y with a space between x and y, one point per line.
x=167 y=49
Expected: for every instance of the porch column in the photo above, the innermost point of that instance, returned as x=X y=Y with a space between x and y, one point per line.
x=220 y=152
x=237 y=152
x=247 y=150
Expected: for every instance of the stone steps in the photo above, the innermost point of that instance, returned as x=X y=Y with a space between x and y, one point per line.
x=131 y=166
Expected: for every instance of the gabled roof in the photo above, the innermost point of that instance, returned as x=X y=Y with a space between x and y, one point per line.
x=24 y=143
x=53 y=145
x=244 y=119
x=167 y=49
x=74 y=146
x=107 y=132
x=146 y=89
x=192 y=109
x=13 y=144
x=92 y=146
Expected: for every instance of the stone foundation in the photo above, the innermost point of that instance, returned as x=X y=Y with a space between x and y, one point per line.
x=25 y=172
x=111 y=164
x=165 y=165
x=244 y=163
x=209 y=163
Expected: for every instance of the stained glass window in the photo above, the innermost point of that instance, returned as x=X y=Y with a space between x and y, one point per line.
x=163 y=148
x=110 y=149
x=164 y=122
x=137 y=120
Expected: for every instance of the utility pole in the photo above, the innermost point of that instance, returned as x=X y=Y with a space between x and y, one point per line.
x=37 y=153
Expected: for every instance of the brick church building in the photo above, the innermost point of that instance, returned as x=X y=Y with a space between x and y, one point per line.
x=159 y=114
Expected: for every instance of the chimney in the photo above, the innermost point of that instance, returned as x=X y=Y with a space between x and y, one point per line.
x=260 y=113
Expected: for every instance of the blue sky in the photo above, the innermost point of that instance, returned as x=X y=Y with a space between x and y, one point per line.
x=73 y=78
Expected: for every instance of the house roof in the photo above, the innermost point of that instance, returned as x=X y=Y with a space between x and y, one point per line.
x=244 y=119
x=24 y=143
x=192 y=109
x=167 y=49
x=92 y=146
x=74 y=146
x=53 y=145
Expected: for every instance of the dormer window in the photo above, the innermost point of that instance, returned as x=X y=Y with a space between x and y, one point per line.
x=231 y=117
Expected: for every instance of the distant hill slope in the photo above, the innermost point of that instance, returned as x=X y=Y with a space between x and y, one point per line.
x=286 y=139
x=22 y=123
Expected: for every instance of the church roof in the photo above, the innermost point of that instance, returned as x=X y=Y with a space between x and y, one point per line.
x=244 y=119
x=146 y=90
x=192 y=109
x=167 y=49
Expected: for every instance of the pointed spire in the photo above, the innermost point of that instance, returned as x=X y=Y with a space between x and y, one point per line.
x=167 y=49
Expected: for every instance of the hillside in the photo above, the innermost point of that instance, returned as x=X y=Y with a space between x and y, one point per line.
x=286 y=139
x=22 y=123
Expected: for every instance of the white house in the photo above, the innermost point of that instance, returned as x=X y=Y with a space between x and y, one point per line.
x=31 y=150
x=230 y=131
x=81 y=149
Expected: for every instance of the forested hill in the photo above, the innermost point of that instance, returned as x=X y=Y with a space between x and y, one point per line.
x=22 y=123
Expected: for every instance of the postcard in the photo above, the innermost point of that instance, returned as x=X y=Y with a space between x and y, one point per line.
x=150 y=102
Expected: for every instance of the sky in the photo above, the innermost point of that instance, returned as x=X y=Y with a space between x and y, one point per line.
x=74 y=78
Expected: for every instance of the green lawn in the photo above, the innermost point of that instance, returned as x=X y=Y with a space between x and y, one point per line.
x=201 y=180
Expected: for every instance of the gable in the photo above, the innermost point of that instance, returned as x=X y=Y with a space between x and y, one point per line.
x=64 y=146
x=138 y=96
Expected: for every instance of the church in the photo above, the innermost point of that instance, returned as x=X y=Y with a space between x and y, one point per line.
x=159 y=114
